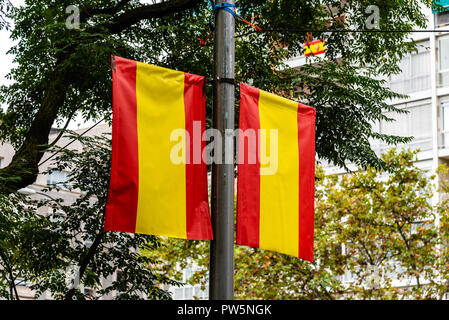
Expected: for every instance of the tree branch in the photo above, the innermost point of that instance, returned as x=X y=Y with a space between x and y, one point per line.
x=24 y=165
x=61 y=133
x=23 y=169
x=88 y=13
x=157 y=10
x=85 y=262
x=9 y=269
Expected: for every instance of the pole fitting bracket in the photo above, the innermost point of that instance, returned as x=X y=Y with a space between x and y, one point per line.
x=223 y=80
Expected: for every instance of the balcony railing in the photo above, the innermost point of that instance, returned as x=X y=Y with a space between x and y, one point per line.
x=443 y=142
x=415 y=84
x=423 y=144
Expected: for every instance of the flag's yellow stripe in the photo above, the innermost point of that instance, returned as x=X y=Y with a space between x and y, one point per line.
x=161 y=207
x=279 y=191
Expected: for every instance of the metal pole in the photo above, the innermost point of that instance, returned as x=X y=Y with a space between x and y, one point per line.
x=221 y=279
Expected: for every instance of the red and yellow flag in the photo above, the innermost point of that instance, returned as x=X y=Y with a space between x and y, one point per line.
x=314 y=48
x=149 y=193
x=275 y=197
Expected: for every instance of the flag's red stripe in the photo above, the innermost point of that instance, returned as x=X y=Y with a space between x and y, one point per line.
x=248 y=184
x=121 y=208
x=306 y=144
x=197 y=205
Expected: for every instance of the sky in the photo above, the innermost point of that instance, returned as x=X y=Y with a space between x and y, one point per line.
x=6 y=43
x=6 y=64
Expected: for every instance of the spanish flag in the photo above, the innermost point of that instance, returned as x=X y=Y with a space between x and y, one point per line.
x=149 y=193
x=314 y=48
x=275 y=189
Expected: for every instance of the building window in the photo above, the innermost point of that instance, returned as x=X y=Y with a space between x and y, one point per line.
x=445 y=124
x=416 y=123
x=88 y=243
x=178 y=294
x=188 y=273
x=119 y=276
x=188 y=293
x=415 y=74
x=443 y=62
x=442 y=17
x=88 y=293
x=21 y=282
x=191 y=293
x=199 y=294
x=58 y=179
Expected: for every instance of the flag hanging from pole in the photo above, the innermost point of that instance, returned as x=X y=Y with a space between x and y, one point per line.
x=150 y=192
x=276 y=173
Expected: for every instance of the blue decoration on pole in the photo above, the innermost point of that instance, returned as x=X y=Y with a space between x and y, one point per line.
x=225 y=6
x=440 y=6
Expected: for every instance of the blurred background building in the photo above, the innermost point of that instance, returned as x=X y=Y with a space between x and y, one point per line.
x=65 y=192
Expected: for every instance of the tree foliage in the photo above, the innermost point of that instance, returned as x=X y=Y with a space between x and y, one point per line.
x=62 y=72
x=376 y=237
x=55 y=245
x=5 y=7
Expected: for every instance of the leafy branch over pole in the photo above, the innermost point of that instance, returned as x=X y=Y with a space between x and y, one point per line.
x=60 y=71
